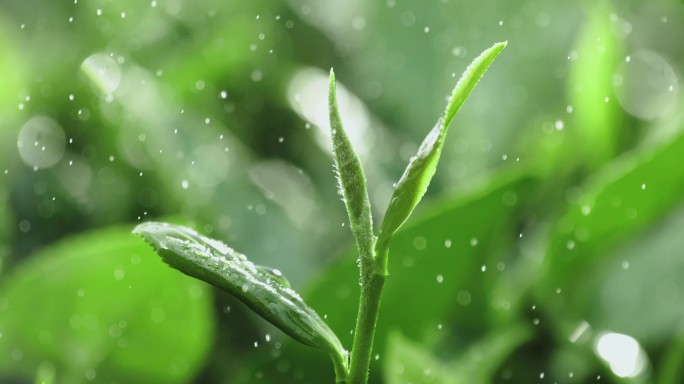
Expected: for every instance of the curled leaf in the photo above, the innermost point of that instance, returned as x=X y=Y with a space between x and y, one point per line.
x=351 y=178
x=263 y=289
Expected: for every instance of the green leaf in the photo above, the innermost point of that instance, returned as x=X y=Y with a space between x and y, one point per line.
x=416 y=178
x=410 y=362
x=596 y=122
x=601 y=244
x=352 y=180
x=103 y=304
x=263 y=289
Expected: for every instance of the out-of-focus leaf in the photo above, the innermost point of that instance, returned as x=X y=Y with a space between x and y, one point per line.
x=671 y=367
x=596 y=116
x=262 y=289
x=409 y=362
x=440 y=255
x=626 y=197
x=45 y=374
x=103 y=306
x=416 y=178
x=352 y=180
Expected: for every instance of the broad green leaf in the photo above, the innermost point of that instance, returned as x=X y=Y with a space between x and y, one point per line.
x=352 y=180
x=263 y=289
x=594 y=238
x=103 y=304
x=416 y=178
x=409 y=362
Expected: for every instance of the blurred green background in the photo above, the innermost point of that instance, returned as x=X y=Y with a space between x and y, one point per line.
x=548 y=250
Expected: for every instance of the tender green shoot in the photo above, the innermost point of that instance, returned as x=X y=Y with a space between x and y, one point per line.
x=352 y=181
x=416 y=178
x=268 y=293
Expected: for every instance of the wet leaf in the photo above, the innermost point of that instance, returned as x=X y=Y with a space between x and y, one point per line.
x=263 y=289
x=351 y=178
x=416 y=178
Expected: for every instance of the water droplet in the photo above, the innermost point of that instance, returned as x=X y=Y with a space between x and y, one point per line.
x=586 y=210
x=419 y=243
x=224 y=94
x=625 y=265
x=473 y=241
x=41 y=142
x=185 y=184
x=24 y=226
x=559 y=125
x=643 y=186
x=484 y=268
x=447 y=243
x=440 y=279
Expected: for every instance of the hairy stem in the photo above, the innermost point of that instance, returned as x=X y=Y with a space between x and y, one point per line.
x=369 y=305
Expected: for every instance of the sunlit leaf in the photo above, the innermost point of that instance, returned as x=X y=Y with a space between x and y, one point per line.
x=596 y=114
x=102 y=305
x=351 y=178
x=416 y=178
x=263 y=289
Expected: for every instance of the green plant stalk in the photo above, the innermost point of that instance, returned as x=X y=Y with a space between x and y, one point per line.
x=364 y=333
x=341 y=369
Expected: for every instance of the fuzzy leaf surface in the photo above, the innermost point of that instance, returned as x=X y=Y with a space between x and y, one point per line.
x=263 y=289
x=421 y=168
x=351 y=178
